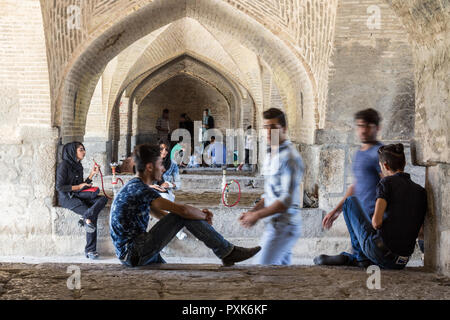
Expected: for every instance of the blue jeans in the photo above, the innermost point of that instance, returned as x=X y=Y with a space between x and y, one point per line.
x=145 y=248
x=277 y=242
x=364 y=237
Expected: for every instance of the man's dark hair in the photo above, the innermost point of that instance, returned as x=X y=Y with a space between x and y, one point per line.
x=393 y=155
x=183 y=115
x=144 y=154
x=213 y=138
x=274 y=113
x=368 y=115
x=166 y=111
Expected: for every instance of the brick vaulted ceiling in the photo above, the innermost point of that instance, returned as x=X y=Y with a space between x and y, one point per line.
x=293 y=37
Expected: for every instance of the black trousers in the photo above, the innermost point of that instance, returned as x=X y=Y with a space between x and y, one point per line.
x=90 y=209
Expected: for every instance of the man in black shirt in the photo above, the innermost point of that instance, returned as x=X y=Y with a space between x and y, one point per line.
x=188 y=124
x=401 y=204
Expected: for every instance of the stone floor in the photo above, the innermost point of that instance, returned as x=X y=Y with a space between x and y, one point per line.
x=212 y=281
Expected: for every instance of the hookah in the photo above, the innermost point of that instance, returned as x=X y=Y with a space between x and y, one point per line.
x=114 y=165
x=226 y=189
x=114 y=179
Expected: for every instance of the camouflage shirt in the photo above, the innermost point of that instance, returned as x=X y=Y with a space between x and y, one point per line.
x=130 y=214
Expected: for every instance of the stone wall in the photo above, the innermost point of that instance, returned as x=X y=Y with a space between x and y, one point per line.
x=437 y=223
x=78 y=56
x=428 y=26
x=27 y=193
x=27 y=141
x=372 y=68
x=24 y=83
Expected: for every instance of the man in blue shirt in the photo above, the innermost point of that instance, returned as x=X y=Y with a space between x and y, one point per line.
x=367 y=174
x=280 y=203
x=217 y=153
x=130 y=216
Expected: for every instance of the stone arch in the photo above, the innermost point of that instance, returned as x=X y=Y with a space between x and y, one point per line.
x=150 y=57
x=228 y=89
x=155 y=77
x=232 y=82
x=97 y=52
x=222 y=110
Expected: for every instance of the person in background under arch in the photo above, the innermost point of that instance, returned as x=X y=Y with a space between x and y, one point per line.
x=177 y=152
x=69 y=181
x=207 y=123
x=248 y=148
x=163 y=126
x=188 y=124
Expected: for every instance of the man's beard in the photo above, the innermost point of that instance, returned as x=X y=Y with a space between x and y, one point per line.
x=370 y=141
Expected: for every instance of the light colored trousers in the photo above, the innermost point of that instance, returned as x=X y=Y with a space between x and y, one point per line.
x=169 y=195
x=277 y=242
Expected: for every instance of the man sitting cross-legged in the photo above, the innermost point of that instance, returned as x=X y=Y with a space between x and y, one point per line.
x=130 y=216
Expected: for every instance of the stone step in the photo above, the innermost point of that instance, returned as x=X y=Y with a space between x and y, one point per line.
x=218 y=171
x=191 y=248
x=304 y=248
x=192 y=182
x=206 y=198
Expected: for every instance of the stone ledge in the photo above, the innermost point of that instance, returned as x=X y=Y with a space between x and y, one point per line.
x=195 y=181
x=212 y=281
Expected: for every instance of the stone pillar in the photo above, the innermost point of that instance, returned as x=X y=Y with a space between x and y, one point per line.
x=124 y=128
x=28 y=143
x=27 y=193
x=134 y=124
x=437 y=222
x=100 y=150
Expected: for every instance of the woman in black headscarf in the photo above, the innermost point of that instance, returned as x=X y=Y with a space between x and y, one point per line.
x=69 y=181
